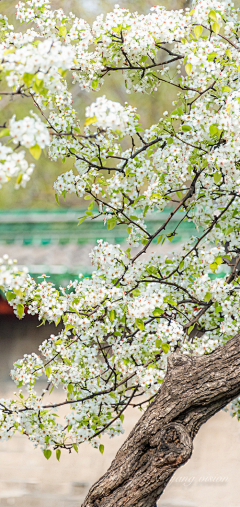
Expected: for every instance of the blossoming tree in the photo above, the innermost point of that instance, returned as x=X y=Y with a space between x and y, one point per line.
x=154 y=331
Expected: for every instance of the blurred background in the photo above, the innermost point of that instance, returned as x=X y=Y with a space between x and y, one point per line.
x=45 y=237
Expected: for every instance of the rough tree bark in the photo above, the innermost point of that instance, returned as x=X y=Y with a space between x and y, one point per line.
x=194 y=389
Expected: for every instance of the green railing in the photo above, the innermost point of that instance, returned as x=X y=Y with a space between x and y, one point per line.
x=44 y=228
x=51 y=227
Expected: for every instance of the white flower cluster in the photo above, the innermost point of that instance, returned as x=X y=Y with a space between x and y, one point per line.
x=13 y=164
x=67 y=182
x=110 y=115
x=29 y=131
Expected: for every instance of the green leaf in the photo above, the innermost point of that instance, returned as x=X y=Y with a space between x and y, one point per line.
x=213 y=266
x=128 y=253
x=95 y=83
x=208 y=297
x=48 y=371
x=5 y=132
x=62 y=72
x=165 y=347
x=158 y=343
x=213 y=130
x=157 y=312
x=82 y=220
x=18 y=292
x=226 y=89
x=38 y=85
x=58 y=454
x=218 y=260
x=56 y=198
x=20 y=310
x=121 y=417
x=101 y=448
x=136 y=292
x=70 y=388
x=62 y=30
x=140 y=324
x=229 y=54
x=91 y=205
x=111 y=223
x=112 y=315
x=217 y=177
x=212 y=15
x=27 y=78
x=216 y=28
x=188 y=68
x=19 y=179
x=47 y=453
x=179 y=194
x=10 y=296
x=35 y=151
x=89 y=121
x=186 y=128
x=69 y=326
x=170 y=140
x=191 y=328
x=198 y=31
x=181 y=265
x=159 y=239
x=75 y=447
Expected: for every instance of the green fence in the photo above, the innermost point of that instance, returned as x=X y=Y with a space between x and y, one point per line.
x=44 y=228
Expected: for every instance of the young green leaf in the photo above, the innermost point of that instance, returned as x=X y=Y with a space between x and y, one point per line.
x=198 y=31
x=216 y=27
x=10 y=296
x=82 y=220
x=20 y=310
x=89 y=121
x=101 y=448
x=75 y=447
x=62 y=30
x=212 y=15
x=157 y=312
x=47 y=453
x=112 y=315
x=35 y=151
x=165 y=348
x=4 y=132
x=188 y=68
x=208 y=297
x=111 y=223
x=140 y=324
x=48 y=371
x=217 y=177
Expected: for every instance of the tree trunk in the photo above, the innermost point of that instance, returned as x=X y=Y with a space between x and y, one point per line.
x=194 y=389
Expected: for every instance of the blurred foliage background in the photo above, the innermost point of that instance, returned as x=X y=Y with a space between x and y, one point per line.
x=39 y=192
